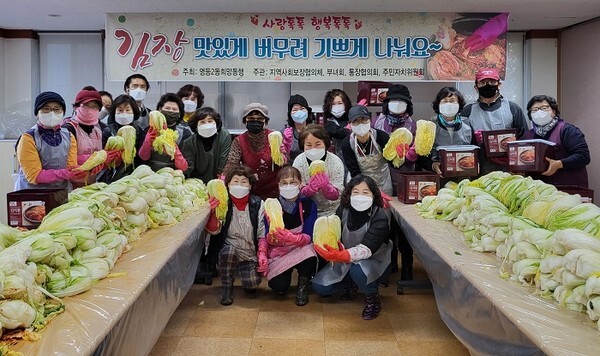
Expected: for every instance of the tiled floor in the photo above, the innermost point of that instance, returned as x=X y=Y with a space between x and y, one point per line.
x=265 y=324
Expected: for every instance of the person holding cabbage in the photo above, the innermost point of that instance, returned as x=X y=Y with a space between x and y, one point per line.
x=288 y=247
x=124 y=112
x=160 y=147
x=567 y=162
x=363 y=254
x=258 y=148
x=298 y=116
x=47 y=153
x=324 y=184
x=235 y=238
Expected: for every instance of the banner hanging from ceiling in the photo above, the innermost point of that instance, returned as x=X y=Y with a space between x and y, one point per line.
x=305 y=47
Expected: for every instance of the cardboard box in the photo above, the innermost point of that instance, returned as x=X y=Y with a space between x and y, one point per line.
x=528 y=155
x=496 y=142
x=373 y=91
x=459 y=160
x=27 y=207
x=587 y=195
x=414 y=186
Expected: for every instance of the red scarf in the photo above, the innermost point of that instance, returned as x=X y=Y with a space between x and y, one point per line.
x=240 y=203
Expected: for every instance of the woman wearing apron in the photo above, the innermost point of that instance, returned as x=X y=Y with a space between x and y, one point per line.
x=284 y=250
x=323 y=188
x=172 y=108
x=364 y=253
x=47 y=153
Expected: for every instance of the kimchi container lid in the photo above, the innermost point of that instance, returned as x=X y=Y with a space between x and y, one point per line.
x=535 y=140
x=458 y=148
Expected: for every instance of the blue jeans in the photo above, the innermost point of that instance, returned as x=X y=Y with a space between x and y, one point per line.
x=356 y=275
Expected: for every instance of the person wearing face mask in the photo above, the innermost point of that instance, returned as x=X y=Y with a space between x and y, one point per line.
x=171 y=107
x=137 y=86
x=252 y=149
x=84 y=124
x=235 y=241
x=452 y=128
x=324 y=188
x=290 y=247
x=206 y=151
x=492 y=112
x=47 y=153
x=568 y=160
x=299 y=115
x=192 y=98
x=123 y=112
x=363 y=149
x=107 y=100
x=363 y=254
x=335 y=111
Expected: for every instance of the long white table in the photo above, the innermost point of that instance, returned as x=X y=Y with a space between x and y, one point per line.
x=487 y=314
x=125 y=315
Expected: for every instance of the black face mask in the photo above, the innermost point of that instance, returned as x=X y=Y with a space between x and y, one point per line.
x=172 y=118
x=488 y=91
x=255 y=127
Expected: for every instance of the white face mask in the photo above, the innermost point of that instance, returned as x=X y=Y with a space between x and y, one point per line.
x=289 y=191
x=103 y=113
x=449 y=109
x=124 y=118
x=137 y=94
x=189 y=106
x=315 y=153
x=361 y=130
x=49 y=120
x=207 y=130
x=338 y=110
x=397 y=106
x=361 y=202
x=541 y=117
x=238 y=191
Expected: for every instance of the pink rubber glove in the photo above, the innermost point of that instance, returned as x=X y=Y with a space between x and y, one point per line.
x=47 y=176
x=288 y=238
x=401 y=150
x=313 y=185
x=213 y=225
x=97 y=169
x=386 y=199
x=363 y=102
x=180 y=161
x=113 y=156
x=479 y=136
x=288 y=139
x=263 y=261
x=487 y=33
x=411 y=154
x=146 y=149
x=329 y=191
x=284 y=152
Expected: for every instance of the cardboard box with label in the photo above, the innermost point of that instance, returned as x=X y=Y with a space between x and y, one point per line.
x=27 y=207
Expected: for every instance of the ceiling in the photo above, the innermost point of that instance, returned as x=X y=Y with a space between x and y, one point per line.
x=88 y=15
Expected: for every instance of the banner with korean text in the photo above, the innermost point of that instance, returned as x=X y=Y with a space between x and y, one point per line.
x=305 y=47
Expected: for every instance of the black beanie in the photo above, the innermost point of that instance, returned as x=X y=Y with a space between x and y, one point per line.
x=399 y=91
x=298 y=99
x=46 y=97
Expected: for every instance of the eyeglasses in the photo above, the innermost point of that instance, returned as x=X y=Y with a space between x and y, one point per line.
x=293 y=184
x=47 y=109
x=543 y=108
x=485 y=82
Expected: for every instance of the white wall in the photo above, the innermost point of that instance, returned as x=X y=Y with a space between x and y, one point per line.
x=579 y=83
x=541 y=58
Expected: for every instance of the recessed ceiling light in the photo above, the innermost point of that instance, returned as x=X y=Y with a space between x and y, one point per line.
x=54 y=15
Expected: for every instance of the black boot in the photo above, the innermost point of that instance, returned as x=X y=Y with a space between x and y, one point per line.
x=302 y=291
x=406 y=273
x=226 y=295
x=372 y=307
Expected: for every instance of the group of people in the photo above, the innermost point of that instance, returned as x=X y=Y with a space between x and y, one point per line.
x=356 y=184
